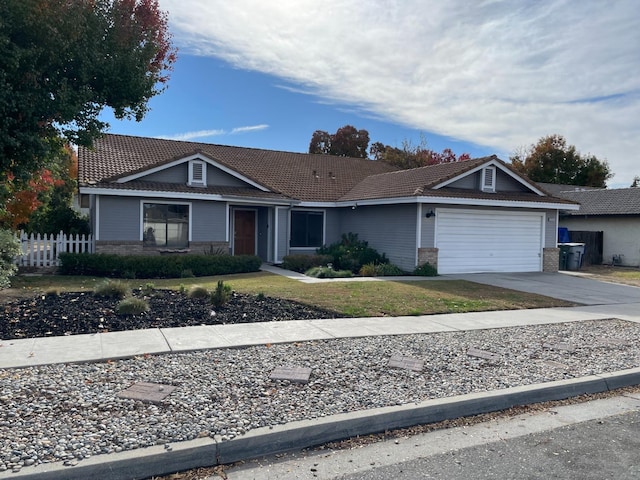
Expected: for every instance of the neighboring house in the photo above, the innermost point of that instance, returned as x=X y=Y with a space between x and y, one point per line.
x=149 y=196
x=614 y=212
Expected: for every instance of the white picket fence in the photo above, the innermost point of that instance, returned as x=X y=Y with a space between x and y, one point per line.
x=44 y=250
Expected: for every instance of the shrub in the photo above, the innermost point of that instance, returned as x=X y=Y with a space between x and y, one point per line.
x=132 y=306
x=351 y=254
x=301 y=263
x=111 y=289
x=156 y=266
x=148 y=288
x=9 y=250
x=328 y=272
x=426 y=270
x=389 y=269
x=221 y=294
x=187 y=273
x=198 y=291
x=368 y=270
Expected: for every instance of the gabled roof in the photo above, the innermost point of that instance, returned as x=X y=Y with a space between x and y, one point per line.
x=296 y=175
x=119 y=162
x=617 y=201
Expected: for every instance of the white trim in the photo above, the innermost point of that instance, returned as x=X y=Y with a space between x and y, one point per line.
x=227 y=233
x=162 y=202
x=182 y=195
x=276 y=227
x=557 y=226
x=196 y=156
x=97 y=207
x=202 y=181
x=495 y=164
x=418 y=232
x=488 y=187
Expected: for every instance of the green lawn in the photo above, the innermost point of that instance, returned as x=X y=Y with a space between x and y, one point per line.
x=349 y=298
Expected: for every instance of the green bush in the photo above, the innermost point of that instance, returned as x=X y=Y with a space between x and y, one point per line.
x=111 y=289
x=368 y=270
x=426 y=270
x=156 y=266
x=198 y=291
x=221 y=294
x=351 y=254
x=389 y=270
x=300 y=262
x=132 y=306
x=328 y=272
x=9 y=250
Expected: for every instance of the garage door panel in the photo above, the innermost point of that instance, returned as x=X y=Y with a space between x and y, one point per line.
x=486 y=241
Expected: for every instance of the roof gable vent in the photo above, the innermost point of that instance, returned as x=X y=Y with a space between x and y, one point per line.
x=488 y=179
x=197 y=173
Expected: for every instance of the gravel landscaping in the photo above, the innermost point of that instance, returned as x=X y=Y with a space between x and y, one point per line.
x=70 y=412
x=71 y=313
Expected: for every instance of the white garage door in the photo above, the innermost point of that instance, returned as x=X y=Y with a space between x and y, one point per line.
x=471 y=241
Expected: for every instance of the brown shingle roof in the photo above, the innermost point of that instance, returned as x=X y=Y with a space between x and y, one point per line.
x=296 y=175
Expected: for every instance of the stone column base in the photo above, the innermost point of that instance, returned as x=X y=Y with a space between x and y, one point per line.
x=550 y=259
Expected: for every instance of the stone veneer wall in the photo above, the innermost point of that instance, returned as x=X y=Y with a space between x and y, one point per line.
x=428 y=255
x=550 y=259
x=137 y=248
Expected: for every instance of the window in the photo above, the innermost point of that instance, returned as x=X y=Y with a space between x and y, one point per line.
x=165 y=225
x=488 y=179
x=306 y=228
x=197 y=173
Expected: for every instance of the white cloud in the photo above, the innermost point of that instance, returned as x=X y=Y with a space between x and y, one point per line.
x=496 y=73
x=186 y=136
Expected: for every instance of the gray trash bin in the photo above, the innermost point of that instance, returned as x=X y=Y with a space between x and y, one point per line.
x=574 y=254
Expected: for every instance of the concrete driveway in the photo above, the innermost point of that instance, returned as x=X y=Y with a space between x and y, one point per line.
x=572 y=288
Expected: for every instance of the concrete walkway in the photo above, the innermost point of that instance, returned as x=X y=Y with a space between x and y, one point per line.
x=620 y=302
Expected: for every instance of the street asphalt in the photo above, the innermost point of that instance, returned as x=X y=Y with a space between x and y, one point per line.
x=599 y=301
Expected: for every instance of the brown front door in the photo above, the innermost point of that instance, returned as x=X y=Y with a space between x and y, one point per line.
x=244 y=234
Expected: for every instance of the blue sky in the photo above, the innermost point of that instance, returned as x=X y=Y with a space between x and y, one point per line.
x=482 y=77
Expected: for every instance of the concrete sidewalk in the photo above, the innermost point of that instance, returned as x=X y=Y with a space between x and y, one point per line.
x=115 y=345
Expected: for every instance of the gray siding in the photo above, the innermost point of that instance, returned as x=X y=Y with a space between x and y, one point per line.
x=177 y=174
x=119 y=218
x=506 y=183
x=209 y=221
x=390 y=229
x=332 y=232
x=550 y=229
x=470 y=182
x=428 y=227
x=180 y=174
x=282 y=246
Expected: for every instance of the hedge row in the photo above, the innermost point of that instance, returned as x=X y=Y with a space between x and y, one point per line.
x=159 y=266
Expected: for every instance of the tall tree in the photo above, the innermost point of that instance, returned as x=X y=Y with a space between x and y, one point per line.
x=551 y=160
x=636 y=182
x=346 y=142
x=414 y=156
x=63 y=61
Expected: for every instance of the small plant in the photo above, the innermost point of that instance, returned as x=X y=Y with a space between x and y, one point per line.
x=187 y=273
x=148 y=288
x=368 y=270
x=52 y=292
x=260 y=296
x=221 y=294
x=212 y=250
x=426 y=270
x=182 y=288
x=198 y=291
x=389 y=269
x=9 y=249
x=132 y=306
x=111 y=289
x=328 y=272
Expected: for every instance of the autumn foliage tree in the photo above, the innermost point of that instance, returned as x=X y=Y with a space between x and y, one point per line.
x=63 y=61
x=414 y=156
x=346 y=142
x=551 y=160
